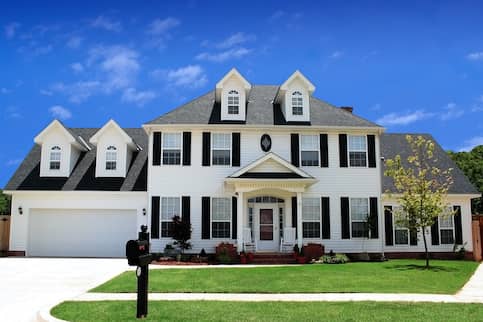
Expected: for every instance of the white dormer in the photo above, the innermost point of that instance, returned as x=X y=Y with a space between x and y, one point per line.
x=232 y=92
x=60 y=150
x=294 y=98
x=114 y=150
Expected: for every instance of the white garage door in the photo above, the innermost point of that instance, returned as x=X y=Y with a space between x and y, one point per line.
x=80 y=233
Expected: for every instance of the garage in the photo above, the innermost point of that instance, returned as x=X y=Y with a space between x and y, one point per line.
x=80 y=233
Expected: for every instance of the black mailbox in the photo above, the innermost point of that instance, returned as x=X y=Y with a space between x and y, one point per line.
x=137 y=250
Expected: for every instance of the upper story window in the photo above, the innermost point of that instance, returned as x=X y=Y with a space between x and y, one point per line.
x=309 y=150
x=311 y=217
x=171 y=148
x=221 y=149
x=233 y=102
x=359 y=215
x=297 y=103
x=55 y=153
x=357 y=151
x=111 y=158
x=221 y=218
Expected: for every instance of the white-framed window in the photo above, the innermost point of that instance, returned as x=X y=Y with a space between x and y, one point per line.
x=111 y=158
x=171 y=148
x=280 y=221
x=311 y=220
x=401 y=233
x=446 y=227
x=233 y=102
x=55 y=155
x=357 y=150
x=309 y=150
x=297 y=103
x=221 y=149
x=359 y=214
x=221 y=218
x=170 y=207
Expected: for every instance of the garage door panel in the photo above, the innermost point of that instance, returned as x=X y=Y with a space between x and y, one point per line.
x=80 y=233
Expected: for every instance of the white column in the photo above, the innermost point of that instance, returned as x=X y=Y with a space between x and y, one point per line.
x=299 y=220
x=239 y=220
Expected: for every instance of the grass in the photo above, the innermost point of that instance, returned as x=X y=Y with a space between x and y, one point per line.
x=395 y=276
x=268 y=311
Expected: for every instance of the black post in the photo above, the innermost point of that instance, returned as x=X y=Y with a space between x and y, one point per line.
x=142 y=275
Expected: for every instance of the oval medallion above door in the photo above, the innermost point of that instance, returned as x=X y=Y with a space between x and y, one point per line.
x=266 y=142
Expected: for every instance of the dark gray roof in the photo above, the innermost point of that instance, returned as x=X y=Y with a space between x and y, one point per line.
x=27 y=176
x=393 y=144
x=260 y=111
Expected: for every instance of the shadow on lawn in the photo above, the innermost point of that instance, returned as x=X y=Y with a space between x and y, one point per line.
x=431 y=268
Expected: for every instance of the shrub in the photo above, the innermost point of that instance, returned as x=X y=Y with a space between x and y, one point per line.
x=335 y=259
x=181 y=233
x=225 y=253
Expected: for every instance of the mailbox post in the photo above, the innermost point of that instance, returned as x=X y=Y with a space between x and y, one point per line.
x=137 y=253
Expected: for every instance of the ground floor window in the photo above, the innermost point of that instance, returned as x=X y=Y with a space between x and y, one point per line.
x=311 y=217
x=401 y=232
x=170 y=207
x=221 y=218
x=359 y=208
x=446 y=228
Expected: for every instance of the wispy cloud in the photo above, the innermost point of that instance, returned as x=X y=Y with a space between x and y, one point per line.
x=77 y=67
x=11 y=29
x=276 y=15
x=191 y=76
x=77 y=92
x=451 y=111
x=230 y=46
x=5 y=90
x=376 y=107
x=60 y=112
x=106 y=23
x=140 y=98
x=471 y=143
x=74 y=42
x=403 y=119
x=161 y=26
x=13 y=162
x=336 y=54
x=46 y=92
x=224 y=55
x=13 y=112
x=475 y=56
x=235 y=39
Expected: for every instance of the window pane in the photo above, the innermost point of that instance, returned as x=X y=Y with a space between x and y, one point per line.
x=357 y=143
x=310 y=209
x=220 y=229
x=54 y=165
x=311 y=229
x=359 y=209
x=55 y=156
x=447 y=236
x=221 y=141
x=446 y=221
x=357 y=159
x=171 y=157
x=401 y=236
x=309 y=142
x=310 y=158
x=169 y=208
x=172 y=141
x=359 y=229
x=111 y=165
x=221 y=157
x=166 y=229
x=221 y=210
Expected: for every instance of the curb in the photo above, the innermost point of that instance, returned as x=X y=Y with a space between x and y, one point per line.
x=44 y=315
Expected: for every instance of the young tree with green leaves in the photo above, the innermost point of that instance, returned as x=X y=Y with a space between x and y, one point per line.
x=4 y=204
x=421 y=187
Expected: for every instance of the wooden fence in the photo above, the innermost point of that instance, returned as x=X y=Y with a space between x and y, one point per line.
x=4 y=233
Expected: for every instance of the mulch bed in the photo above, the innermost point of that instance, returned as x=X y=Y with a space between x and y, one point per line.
x=170 y=261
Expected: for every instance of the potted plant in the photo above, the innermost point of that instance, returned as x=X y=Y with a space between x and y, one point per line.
x=301 y=257
x=203 y=256
x=243 y=258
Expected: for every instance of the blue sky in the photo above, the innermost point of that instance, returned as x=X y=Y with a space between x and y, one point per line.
x=412 y=66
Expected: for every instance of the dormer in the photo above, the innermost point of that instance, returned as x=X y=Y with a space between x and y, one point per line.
x=60 y=150
x=294 y=98
x=115 y=149
x=232 y=92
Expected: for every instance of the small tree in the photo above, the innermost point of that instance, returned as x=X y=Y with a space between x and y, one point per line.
x=4 y=204
x=181 y=233
x=421 y=187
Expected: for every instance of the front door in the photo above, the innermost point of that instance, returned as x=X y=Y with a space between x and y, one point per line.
x=268 y=238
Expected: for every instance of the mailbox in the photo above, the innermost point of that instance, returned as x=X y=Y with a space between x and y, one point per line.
x=137 y=252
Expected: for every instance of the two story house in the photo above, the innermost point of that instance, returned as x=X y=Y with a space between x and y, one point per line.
x=253 y=165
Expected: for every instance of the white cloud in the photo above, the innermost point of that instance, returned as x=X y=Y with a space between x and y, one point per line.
x=11 y=29
x=106 y=23
x=13 y=162
x=235 y=39
x=224 y=55
x=403 y=119
x=74 y=42
x=46 y=92
x=471 y=143
x=161 y=26
x=336 y=54
x=192 y=76
x=475 y=56
x=376 y=107
x=13 y=113
x=77 y=67
x=5 y=90
x=451 y=111
x=77 y=92
x=60 y=112
x=131 y=95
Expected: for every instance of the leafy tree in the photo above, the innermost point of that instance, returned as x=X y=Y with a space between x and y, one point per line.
x=181 y=233
x=421 y=187
x=471 y=163
x=4 y=204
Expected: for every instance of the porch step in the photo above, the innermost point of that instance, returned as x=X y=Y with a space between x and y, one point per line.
x=273 y=258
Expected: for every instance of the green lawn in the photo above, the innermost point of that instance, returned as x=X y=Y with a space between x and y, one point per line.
x=268 y=311
x=395 y=276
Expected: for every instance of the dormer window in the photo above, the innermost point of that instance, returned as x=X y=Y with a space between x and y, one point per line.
x=55 y=153
x=297 y=103
x=233 y=102
x=111 y=158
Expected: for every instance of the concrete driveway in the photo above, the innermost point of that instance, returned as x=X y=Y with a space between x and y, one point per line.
x=30 y=284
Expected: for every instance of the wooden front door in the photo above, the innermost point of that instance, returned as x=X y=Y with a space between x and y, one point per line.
x=268 y=239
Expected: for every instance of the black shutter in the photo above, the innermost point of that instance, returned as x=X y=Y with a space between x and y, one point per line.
x=294 y=213
x=294 y=146
x=324 y=151
x=185 y=209
x=234 y=215
x=155 y=217
x=371 y=150
x=157 y=148
x=325 y=217
x=373 y=217
x=186 y=148
x=435 y=232
x=345 y=217
x=458 y=230
x=206 y=149
x=388 y=225
x=413 y=234
x=235 y=149
x=343 y=150
x=205 y=217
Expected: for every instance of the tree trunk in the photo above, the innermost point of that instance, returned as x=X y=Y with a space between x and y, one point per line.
x=426 y=248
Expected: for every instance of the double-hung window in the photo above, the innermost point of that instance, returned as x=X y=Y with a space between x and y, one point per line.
x=309 y=150
x=233 y=102
x=359 y=216
x=311 y=217
x=171 y=148
x=170 y=207
x=401 y=232
x=446 y=227
x=111 y=158
x=55 y=153
x=221 y=149
x=221 y=218
x=357 y=151
x=297 y=103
